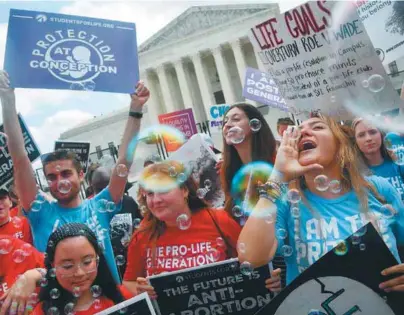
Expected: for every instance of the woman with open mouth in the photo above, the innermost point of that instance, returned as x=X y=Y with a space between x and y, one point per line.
x=328 y=199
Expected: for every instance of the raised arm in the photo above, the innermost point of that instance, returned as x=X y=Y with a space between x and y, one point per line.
x=138 y=99
x=23 y=173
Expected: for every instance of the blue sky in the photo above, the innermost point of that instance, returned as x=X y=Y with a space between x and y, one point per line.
x=50 y=112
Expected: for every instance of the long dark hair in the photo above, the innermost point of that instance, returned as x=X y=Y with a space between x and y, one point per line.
x=263 y=148
x=104 y=277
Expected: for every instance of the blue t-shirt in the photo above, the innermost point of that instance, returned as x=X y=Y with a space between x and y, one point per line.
x=393 y=173
x=337 y=219
x=92 y=212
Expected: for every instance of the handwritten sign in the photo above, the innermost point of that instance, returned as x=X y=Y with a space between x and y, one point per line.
x=317 y=67
x=57 y=51
x=259 y=86
x=183 y=120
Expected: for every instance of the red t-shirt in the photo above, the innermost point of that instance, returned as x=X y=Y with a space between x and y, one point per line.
x=14 y=212
x=102 y=304
x=10 y=269
x=18 y=227
x=176 y=249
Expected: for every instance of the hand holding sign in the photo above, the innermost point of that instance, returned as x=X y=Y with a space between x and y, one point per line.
x=397 y=283
x=140 y=97
x=6 y=92
x=142 y=285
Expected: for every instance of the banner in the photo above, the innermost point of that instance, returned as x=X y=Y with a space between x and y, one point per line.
x=183 y=120
x=57 y=51
x=334 y=70
x=138 y=305
x=259 y=86
x=6 y=164
x=384 y=22
x=199 y=158
x=216 y=115
x=344 y=281
x=82 y=149
x=218 y=288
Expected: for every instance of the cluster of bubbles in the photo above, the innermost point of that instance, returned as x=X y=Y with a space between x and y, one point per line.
x=18 y=254
x=237 y=135
x=203 y=191
x=322 y=183
x=83 y=86
x=375 y=83
x=104 y=206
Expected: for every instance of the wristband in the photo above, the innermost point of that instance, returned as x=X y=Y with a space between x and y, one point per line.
x=138 y=115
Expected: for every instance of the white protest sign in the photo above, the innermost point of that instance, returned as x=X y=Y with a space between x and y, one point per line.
x=383 y=21
x=316 y=67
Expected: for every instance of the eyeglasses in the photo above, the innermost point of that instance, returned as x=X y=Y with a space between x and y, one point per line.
x=88 y=265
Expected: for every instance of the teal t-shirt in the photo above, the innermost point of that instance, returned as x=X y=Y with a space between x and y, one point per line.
x=337 y=219
x=393 y=173
x=92 y=212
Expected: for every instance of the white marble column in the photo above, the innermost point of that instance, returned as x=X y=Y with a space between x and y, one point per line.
x=153 y=105
x=224 y=76
x=184 y=83
x=241 y=61
x=204 y=84
x=168 y=98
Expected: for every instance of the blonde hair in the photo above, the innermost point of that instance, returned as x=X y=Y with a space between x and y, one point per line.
x=349 y=160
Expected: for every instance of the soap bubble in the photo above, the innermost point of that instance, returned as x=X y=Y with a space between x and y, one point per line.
x=172 y=172
x=335 y=186
x=3 y=140
x=237 y=211
x=246 y=268
x=183 y=221
x=362 y=247
x=315 y=312
x=52 y=273
x=76 y=292
x=255 y=125
x=120 y=260
x=69 y=309
x=281 y=234
x=236 y=135
x=361 y=232
x=321 y=182
x=53 y=311
x=36 y=205
x=182 y=178
x=269 y=218
x=355 y=239
x=54 y=294
x=365 y=84
x=122 y=170
x=201 y=193
x=207 y=183
x=136 y=223
x=77 y=86
x=18 y=256
x=376 y=83
x=295 y=211
x=293 y=196
x=27 y=249
x=97 y=304
x=64 y=186
x=89 y=85
x=341 y=249
x=17 y=222
x=286 y=250
x=220 y=242
x=96 y=291
x=241 y=248
x=246 y=182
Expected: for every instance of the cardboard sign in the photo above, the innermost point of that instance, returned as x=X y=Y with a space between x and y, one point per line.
x=216 y=115
x=218 y=288
x=82 y=149
x=199 y=158
x=334 y=70
x=383 y=23
x=259 y=86
x=344 y=281
x=138 y=305
x=57 y=51
x=184 y=121
x=6 y=164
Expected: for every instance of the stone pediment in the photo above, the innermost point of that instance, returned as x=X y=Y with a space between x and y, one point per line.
x=200 y=18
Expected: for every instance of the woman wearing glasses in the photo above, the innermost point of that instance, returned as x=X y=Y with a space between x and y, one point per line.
x=78 y=280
